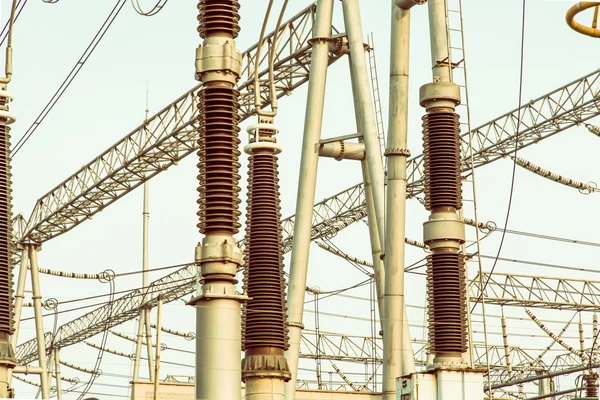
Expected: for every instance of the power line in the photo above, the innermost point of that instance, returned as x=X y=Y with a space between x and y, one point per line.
x=70 y=77
x=514 y=171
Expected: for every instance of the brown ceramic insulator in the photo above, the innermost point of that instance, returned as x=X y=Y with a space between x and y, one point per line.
x=218 y=165
x=447 y=303
x=265 y=322
x=218 y=17
x=442 y=160
x=591 y=385
x=247 y=244
x=6 y=268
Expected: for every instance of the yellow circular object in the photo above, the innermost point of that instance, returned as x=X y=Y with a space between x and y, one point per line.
x=576 y=9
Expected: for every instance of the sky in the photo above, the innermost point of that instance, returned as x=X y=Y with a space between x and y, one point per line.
x=107 y=100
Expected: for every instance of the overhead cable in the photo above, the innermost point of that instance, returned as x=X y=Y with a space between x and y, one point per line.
x=514 y=170
x=70 y=77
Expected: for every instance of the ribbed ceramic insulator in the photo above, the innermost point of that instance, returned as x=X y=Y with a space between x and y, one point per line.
x=218 y=153
x=6 y=267
x=591 y=386
x=247 y=243
x=447 y=298
x=442 y=160
x=265 y=322
x=218 y=17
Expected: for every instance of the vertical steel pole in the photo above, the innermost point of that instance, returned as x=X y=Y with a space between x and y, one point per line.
x=364 y=108
x=157 y=348
x=440 y=56
x=378 y=270
x=141 y=321
x=307 y=184
x=148 y=329
x=138 y=347
x=39 y=322
x=58 y=377
x=19 y=297
x=398 y=358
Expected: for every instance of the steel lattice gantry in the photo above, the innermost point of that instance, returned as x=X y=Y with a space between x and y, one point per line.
x=170 y=135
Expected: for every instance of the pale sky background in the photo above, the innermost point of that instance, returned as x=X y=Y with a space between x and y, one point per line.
x=107 y=100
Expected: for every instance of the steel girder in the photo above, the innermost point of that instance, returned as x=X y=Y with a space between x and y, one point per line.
x=540 y=292
x=170 y=135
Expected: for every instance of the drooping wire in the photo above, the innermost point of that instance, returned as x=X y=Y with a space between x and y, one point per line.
x=70 y=77
x=6 y=29
x=153 y=11
x=96 y=367
x=514 y=171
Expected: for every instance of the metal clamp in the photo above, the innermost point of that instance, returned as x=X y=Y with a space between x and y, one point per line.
x=223 y=252
x=218 y=57
x=395 y=151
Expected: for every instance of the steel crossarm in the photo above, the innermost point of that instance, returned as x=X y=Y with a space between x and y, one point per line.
x=170 y=135
x=340 y=347
x=537 y=291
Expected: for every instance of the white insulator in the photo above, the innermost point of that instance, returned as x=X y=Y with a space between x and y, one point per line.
x=584 y=188
x=557 y=339
x=594 y=129
x=506 y=348
x=250 y=148
x=253 y=129
x=581 y=340
x=255 y=139
x=4 y=113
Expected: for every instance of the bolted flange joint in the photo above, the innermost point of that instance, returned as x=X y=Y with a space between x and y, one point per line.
x=261 y=366
x=439 y=94
x=218 y=258
x=443 y=230
x=218 y=60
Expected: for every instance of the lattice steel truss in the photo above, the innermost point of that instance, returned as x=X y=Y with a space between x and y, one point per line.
x=540 y=292
x=170 y=135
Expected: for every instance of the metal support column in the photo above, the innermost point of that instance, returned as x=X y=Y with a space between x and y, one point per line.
x=378 y=270
x=398 y=358
x=306 y=185
x=157 y=347
x=19 y=298
x=39 y=322
x=364 y=108
x=144 y=320
x=58 y=378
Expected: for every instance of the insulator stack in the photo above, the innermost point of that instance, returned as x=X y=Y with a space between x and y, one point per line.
x=591 y=385
x=444 y=232
x=218 y=304
x=218 y=17
x=247 y=244
x=218 y=165
x=265 y=335
x=6 y=267
x=442 y=160
x=447 y=303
